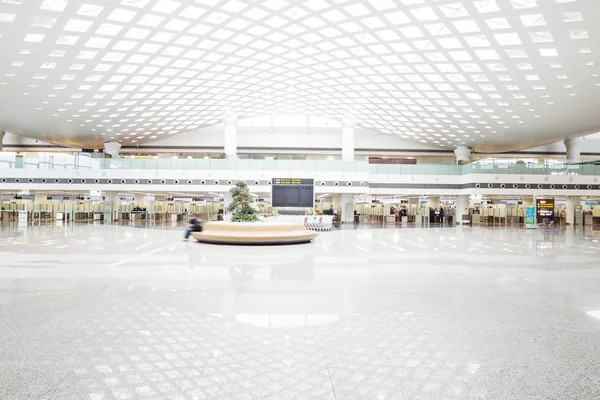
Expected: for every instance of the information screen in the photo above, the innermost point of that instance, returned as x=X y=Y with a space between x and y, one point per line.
x=293 y=192
x=545 y=209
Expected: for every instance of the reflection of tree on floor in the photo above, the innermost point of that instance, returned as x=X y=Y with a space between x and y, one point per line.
x=190 y=256
x=240 y=276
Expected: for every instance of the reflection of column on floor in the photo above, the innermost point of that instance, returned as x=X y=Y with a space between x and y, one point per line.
x=572 y=203
x=346 y=307
x=229 y=304
x=569 y=236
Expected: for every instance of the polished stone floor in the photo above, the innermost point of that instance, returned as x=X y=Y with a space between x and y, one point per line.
x=102 y=312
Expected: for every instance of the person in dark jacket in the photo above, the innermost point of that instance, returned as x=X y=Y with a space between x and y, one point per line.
x=195 y=226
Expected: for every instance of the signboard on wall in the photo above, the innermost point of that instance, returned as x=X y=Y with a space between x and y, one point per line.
x=293 y=192
x=544 y=210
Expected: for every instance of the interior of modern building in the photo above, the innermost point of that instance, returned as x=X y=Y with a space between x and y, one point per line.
x=299 y=199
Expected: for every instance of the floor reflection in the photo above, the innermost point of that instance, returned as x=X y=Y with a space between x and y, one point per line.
x=107 y=312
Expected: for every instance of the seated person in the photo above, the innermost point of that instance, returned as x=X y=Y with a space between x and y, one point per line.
x=194 y=226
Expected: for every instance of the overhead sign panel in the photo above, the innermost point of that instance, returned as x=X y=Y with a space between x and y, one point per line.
x=293 y=192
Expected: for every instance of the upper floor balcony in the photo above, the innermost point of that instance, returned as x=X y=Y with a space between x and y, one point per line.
x=84 y=161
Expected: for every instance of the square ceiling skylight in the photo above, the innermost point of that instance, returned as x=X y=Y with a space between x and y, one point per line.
x=121 y=15
x=90 y=10
x=498 y=23
x=77 y=25
x=7 y=17
x=549 y=52
x=424 y=14
x=486 y=6
x=519 y=4
x=541 y=37
x=40 y=22
x=150 y=20
x=34 y=37
x=54 y=5
x=533 y=20
x=454 y=10
x=507 y=39
x=466 y=26
x=574 y=16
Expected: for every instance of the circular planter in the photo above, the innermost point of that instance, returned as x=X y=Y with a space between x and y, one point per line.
x=254 y=233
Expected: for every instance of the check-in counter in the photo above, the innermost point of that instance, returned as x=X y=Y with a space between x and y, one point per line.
x=475 y=219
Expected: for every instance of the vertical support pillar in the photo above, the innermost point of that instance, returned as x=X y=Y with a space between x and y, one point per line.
x=535 y=221
x=112 y=149
x=2 y=134
x=227 y=199
x=111 y=200
x=139 y=200
x=573 y=149
x=348 y=126
x=463 y=154
x=572 y=203
x=40 y=198
x=462 y=207
x=347 y=208
x=230 y=147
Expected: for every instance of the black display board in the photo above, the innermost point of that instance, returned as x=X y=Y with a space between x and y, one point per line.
x=293 y=192
x=545 y=210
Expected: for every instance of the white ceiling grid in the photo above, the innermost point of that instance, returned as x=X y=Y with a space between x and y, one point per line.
x=496 y=73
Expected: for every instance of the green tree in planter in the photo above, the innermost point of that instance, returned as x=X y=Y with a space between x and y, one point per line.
x=242 y=204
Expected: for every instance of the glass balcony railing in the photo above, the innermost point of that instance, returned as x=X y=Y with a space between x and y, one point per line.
x=85 y=162
x=415 y=169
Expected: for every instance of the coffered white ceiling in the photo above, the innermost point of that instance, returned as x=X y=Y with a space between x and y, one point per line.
x=491 y=74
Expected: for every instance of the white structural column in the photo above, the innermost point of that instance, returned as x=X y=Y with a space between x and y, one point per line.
x=462 y=154
x=139 y=199
x=572 y=203
x=112 y=149
x=40 y=198
x=347 y=208
x=534 y=205
x=230 y=147
x=348 y=126
x=227 y=199
x=462 y=207
x=2 y=133
x=573 y=149
x=111 y=204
